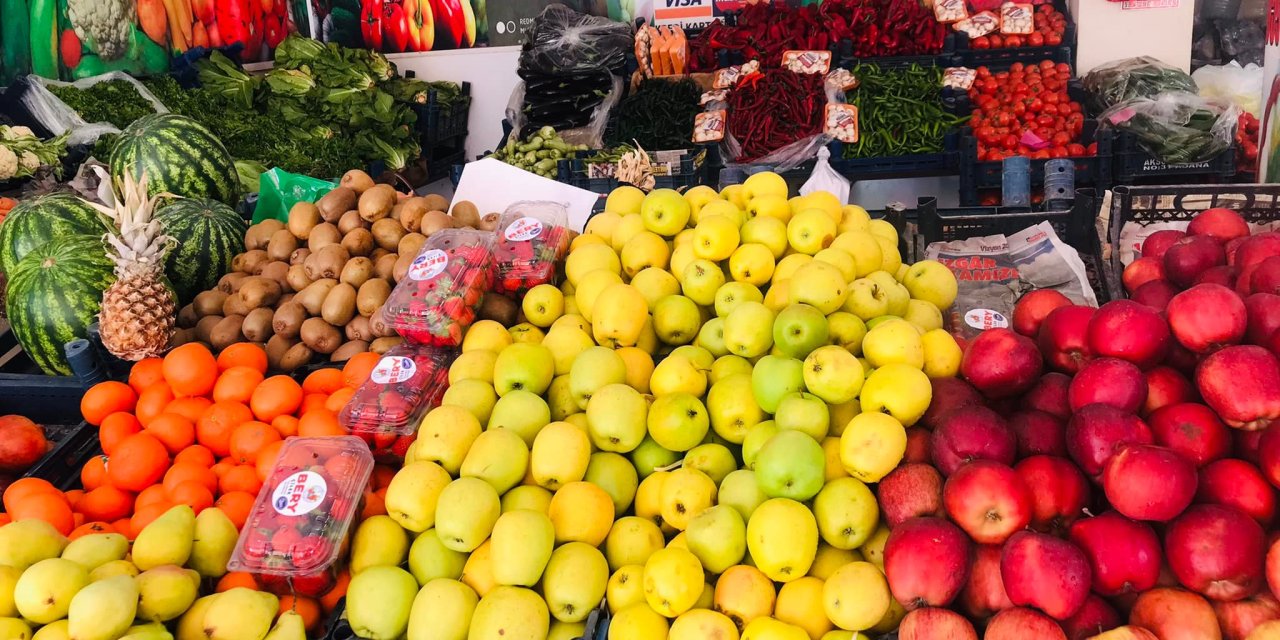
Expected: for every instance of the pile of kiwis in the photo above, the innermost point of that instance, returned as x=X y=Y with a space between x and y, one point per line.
x=315 y=286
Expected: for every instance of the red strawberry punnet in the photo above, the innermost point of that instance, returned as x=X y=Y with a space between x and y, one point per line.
x=408 y=381
x=531 y=236
x=455 y=264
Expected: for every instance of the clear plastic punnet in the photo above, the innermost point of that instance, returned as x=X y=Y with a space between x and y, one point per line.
x=298 y=526
x=530 y=237
x=406 y=382
x=439 y=296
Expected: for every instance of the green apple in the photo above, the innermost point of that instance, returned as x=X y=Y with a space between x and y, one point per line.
x=566 y=341
x=614 y=473
x=651 y=456
x=892 y=258
x=923 y=315
x=630 y=225
x=594 y=368
x=732 y=408
x=846 y=330
x=655 y=284
x=748 y=331
x=941 y=354
x=854 y=218
x=740 y=490
x=833 y=374
x=616 y=418
x=799 y=329
x=791 y=465
x=847 y=513
x=774 y=377
x=751 y=263
x=702 y=278
x=678 y=421
x=931 y=281
x=698 y=197
x=819 y=284
x=769 y=206
x=863 y=247
x=840 y=259
x=542 y=305
x=711 y=337
x=720 y=208
x=757 y=435
x=523 y=367
x=715 y=238
x=893 y=341
x=732 y=294
x=645 y=249
x=811 y=231
x=899 y=390
x=622 y=201
x=768 y=231
x=866 y=299
x=676 y=319
x=476 y=396
x=522 y=412
x=764 y=183
x=678 y=375
x=717 y=537
x=665 y=212
x=803 y=412
x=725 y=366
x=897 y=294
x=711 y=458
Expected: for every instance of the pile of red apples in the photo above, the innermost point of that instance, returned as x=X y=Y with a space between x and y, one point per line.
x=1106 y=473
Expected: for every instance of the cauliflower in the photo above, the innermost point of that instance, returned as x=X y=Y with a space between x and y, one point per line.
x=8 y=163
x=105 y=25
x=13 y=133
x=29 y=161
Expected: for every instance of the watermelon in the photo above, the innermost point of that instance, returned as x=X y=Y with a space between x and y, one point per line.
x=209 y=235
x=178 y=155
x=34 y=223
x=53 y=296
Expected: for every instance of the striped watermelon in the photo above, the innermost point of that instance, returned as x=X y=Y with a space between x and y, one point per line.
x=178 y=155
x=209 y=235
x=53 y=296
x=34 y=223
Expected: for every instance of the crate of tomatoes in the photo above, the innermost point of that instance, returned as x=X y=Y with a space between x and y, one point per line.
x=1052 y=34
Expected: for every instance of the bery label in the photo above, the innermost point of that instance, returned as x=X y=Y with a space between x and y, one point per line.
x=428 y=265
x=299 y=494
x=523 y=229
x=392 y=369
x=985 y=319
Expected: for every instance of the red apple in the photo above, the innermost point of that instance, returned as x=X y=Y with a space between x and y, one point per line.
x=1059 y=492
x=1242 y=384
x=1001 y=363
x=926 y=561
x=1165 y=386
x=1245 y=445
x=22 y=443
x=1155 y=294
x=932 y=623
x=1147 y=482
x=1020 y=623
x=972 y=433
x=1124 y=554
x=1266 y=276
x=1095 y=617
x=1231 y=247
x=984 y=593
x=1032 y=307
x=1175 y=614
x=919 y=448
x=1182 y=359
x=1130 y=331
x=1273 y=567
x=1191 y=256
x=1244 y=280
x=1257 y=248
x=1273 y=343
x=1159 y=242
x=1050 y=395
x=1142 y=271
x=909 y=491
x=949 y=394
x=1064 y=338
x=1223 y=274
x=988 y=500
x=1112 y=381
x=1236 y=483
x=1223 y=224
x=1217 y=552
x=1193 y=430
x=1263 y=311
x=1207 y=317
x=1239 y=618
x=1098 y=431
x=1045 y=572
x=1038 y=432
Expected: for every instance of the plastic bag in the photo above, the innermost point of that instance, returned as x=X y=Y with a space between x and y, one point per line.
x=576 y=127
x=1232 y=83
x=1176 y=127
x=1141 y=77
x=54 y=114
x=564 y=40
x=824 y=178
x=279 y=190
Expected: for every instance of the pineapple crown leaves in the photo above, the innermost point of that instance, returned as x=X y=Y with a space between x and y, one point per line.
x=139 y=244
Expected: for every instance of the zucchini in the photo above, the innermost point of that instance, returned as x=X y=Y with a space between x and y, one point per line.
x=44 y=38
x=15 y=40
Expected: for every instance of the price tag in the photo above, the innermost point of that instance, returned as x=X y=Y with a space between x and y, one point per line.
x=807 y=61
x=709 y=126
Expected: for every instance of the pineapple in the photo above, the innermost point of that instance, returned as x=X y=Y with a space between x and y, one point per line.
x=138 y=309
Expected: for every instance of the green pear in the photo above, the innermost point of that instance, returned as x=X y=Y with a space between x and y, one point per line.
x=290 y=626
x=594 y=368
x=14 y=629
x=732 y=408
x=8 y=580
x=112 y=569
x=378 y=541
x=167 y=540
x=191 y=624
x=165 y=592
x=499 y=457
x=522 y=543
x=575 y=580
x=715 y=460
x=718 y=537
x=26 y=542
x=94 y=550
x=430 y=559
x=239 y=614
x=378 y=602
x=411 y=496
x=442 y=610
x=616 y=417
x=105 y=609
x=510 y=613
x=216 y=538
x=53 y=631
x=44 y=592
x=523 y=412
x=466 y=513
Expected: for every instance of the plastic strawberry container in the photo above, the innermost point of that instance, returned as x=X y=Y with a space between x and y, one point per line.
x=408 y=381
x=531 y=237
x=440 y=294
x=299 y=523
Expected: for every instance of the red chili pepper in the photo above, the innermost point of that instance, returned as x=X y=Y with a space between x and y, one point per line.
x=371 y=23
x=395 y=27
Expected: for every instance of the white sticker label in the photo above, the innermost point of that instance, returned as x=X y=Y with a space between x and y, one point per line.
x=299 y=494
x=985 y=319
x=525 y=228
x=428 y=265
x=392 y=369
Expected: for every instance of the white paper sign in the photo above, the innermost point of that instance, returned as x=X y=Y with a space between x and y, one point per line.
x=493 y=185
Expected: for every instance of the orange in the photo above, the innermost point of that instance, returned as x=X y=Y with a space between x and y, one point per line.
x=267 y=459
x=175 y=432
x=189 y=408
x=94 y=473
x=106 y=398
x=149 y=496
x=286 y=426
x=331 y=597
x=214 y=428
x=193 y=494
x=153 y=402
x=237 y=579
x=22 y=488
x=145 y=373
x=243 y=354
x=382 y=475
x=276 y=396
x=145 y=516
x=117 y=427
x=187 y=472
x=320 y=423
x=90 y=528
x=358 y=368
x=190 y=370
x=106 y=504
x=73 y=497
x=375 y=504
x=139 y=462
x=224 y=465
x=237 y=384
x=240 y=478
x=313 y=401
x=237 y=505
x=248 y=440
x=339 y=399
x=196 y=454
x=324 y=381
x=306 y=607
x=50 y=507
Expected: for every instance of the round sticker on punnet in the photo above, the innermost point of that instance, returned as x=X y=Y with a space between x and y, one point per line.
x=428 y=265
x=523 y=229
x=299 y=494
x=985 y=319
x=393 y=369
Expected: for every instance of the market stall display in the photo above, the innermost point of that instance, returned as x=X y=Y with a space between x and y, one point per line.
x=900 y=112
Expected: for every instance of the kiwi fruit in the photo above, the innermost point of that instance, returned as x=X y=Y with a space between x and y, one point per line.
x=339 y=305
x=187 y=316
x=303 y=217
x=205 y=327
x=356 y=271
x=377 y=254
x=299 y=256
x=496 y=306
x=297 y=277
x=411 y=244
x=257 y=325
x=349 y=221
x=348 y=349
x=260 y=234
x=384 y=344
x=323 y=235
x=401 y=266
x=327 y=262
x=312 y=298
x=435 y=202
x=278 y=271
x=226 y=332
x=371 y=296
x=296 y=356
x=250 y=262
x=359 y=242
x=335 y=203
x=489 y=222
x=384 y=267
x=259 y=292
x=376 y=202
x=387 y=233
x=358 y=329
x=181 y=337
x=465 y=214
x=287 y=320
x=230 y=283
x=356 y=180
x=434 y=221
x=235 y=305
x=320 y=336
x=208 y=303
x=411 y=213
x=276 y=346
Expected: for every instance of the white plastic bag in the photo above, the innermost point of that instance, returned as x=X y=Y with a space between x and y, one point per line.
x=57 y=117
x=1234 y=83
x=825 y=178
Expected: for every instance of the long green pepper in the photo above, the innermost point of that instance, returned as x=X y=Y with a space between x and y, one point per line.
x=899 y=112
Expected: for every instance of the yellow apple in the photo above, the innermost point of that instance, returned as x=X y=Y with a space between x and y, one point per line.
x=768 y=231
x=941 y=354
x=645 y=249
x=603 y=223
x=588 y=259
x=899 y=390
x=818 y=284
x=764 y=183
x=654 y=284
x=810 y=231
x=923 y=315
x=931 y=281
x=587 y=238
x=863 y=247
x=715 y=238
x=665 y=212
x=826 y=201
x=841 y=260
x=893 y=341
x=751 y=263
x=854 y=218
x=542 y=305
x=698 y=197
x=769 y=206
x=624 y=200
x=872 y=445
x=736 y=194
x=721 y=208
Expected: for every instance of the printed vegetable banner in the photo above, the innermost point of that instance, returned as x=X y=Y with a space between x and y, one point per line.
x=396 y=26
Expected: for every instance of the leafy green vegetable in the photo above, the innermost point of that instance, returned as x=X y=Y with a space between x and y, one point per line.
x=114 y=101
x=219 y=73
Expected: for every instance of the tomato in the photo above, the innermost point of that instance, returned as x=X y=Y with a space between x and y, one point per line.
x=996 y=41
x=1013 y=41
x=1060 y=138
x=981 y=42
x=1075 y=149
x=1010 y=142
x=1035 y=40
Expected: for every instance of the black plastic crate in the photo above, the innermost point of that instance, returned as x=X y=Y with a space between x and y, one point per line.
x=967 y=56
x=73 y=446
x=438 y=123
x=945 y=162
x=1131 y=162
x=441 y=161
x=690 y=170
x=1092 y=171
x=842 y=55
